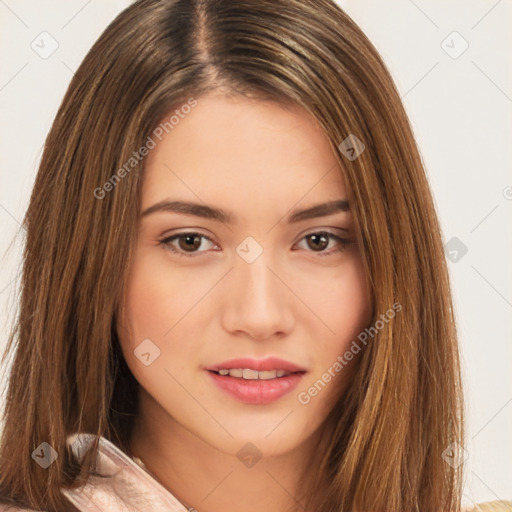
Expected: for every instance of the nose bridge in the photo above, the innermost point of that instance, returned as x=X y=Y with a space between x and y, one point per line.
x=258 y=279
x=257 y=302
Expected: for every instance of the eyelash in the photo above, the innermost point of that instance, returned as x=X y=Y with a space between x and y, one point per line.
x=342 y=243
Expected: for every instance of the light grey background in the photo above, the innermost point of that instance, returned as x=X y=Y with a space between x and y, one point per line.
x=461 y=111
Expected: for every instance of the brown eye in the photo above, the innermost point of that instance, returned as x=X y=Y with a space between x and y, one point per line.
x=317 y=241
x=189 y=242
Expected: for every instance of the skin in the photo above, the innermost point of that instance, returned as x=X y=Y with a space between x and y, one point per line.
x=302 y=301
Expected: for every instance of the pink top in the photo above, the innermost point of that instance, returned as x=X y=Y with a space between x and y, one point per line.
x=129 y=488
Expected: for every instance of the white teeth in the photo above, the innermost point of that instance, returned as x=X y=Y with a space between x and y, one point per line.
x=269 y=374
x=249 y=374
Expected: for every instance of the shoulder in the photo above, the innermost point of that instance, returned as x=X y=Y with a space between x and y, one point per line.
x=492 y=506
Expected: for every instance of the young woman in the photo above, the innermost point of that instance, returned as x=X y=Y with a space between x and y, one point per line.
x=234 y=292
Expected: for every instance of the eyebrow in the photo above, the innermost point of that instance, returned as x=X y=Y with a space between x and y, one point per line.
x=218 y=214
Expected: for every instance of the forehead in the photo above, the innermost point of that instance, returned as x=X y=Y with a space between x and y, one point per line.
x=240 y=150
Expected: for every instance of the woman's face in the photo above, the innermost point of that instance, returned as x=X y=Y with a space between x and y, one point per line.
x=236 y=259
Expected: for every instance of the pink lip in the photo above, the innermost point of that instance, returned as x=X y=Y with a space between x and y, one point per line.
x=269 y=363
x=257 y=392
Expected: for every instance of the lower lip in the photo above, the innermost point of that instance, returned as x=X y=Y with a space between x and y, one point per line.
x=256 y=391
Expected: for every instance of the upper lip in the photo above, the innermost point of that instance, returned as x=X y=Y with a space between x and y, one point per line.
x=269 y=363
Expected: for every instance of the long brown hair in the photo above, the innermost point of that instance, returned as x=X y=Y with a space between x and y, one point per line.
x=404 y=407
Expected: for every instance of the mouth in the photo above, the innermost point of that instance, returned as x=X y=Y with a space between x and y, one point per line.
x=256 y=382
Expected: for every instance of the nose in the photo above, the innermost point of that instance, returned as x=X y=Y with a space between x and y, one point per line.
x=256 y=301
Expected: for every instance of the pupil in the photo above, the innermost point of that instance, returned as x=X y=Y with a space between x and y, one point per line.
x=196 y=241
x=317 y=238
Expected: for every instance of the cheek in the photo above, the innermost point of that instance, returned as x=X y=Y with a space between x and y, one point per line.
x=158 y=295
x=351 y=307
x=156 y=302
x=342 y=302
x=163 y=303
x=344 y=306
